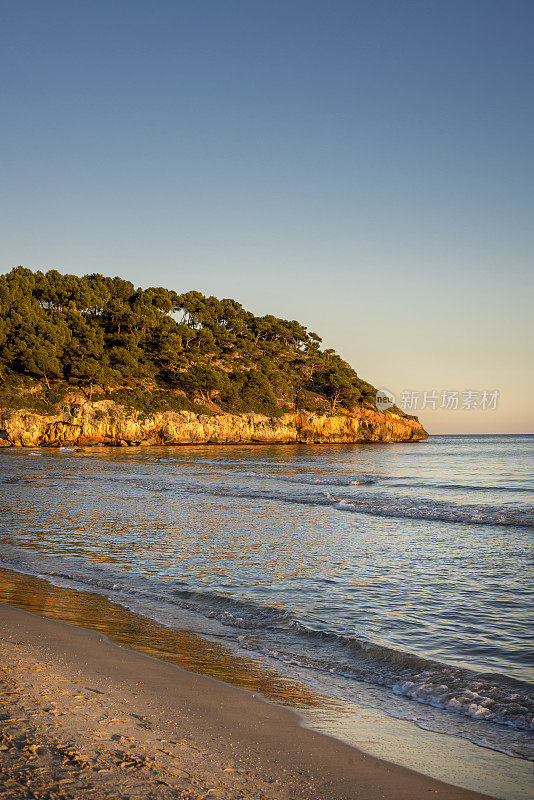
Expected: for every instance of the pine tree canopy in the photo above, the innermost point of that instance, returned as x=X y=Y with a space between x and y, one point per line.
x=154 y=349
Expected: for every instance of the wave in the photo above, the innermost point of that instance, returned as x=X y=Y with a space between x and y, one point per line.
x=336 y=480
x=457 y=486
x=437 y=511
x=323 y=480
x=375 y=504
x=469 y=694
x=491 y=698
x=276 y=633
x=363 y=479
x=367 y=480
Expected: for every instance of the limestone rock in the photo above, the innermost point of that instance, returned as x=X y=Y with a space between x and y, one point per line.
x=106 y=423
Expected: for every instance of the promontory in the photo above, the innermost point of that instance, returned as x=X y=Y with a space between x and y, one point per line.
x=96 y=361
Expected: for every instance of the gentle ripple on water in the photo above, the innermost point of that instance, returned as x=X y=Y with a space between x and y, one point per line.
x=403 y=569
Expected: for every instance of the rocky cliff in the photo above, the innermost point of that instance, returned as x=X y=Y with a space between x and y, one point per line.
x=106 y=423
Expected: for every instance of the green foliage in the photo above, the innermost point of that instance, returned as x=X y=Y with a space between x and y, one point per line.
x=154 y=349
x=340 y=385
x=249 y=391
x=18 y=393
x=137 y=399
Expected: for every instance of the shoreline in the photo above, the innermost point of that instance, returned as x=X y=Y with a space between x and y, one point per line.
x=176 y=731
x=107 y=423
x=441 y=758
x=74 y=447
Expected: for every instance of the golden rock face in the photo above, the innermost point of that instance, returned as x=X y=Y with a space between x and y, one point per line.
x=106 y=423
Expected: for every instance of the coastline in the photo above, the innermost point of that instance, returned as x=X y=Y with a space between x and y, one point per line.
x=95 y=718
x=123 y=549
x=107 y=423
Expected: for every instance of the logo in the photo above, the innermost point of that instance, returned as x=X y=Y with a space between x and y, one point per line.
x=384 y=399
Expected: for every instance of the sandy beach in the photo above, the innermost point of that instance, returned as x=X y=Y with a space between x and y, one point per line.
x=83 y=717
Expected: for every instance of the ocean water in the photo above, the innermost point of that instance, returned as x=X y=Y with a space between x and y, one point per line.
x=397 y=577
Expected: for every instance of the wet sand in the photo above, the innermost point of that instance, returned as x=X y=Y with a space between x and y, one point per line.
x=83 y=717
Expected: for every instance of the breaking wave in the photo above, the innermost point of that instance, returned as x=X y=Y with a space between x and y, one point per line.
x=276 y=633
x=375 y=504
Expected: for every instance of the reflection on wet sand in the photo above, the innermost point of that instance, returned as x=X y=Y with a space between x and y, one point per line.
x=455 y=761
x=185 y=649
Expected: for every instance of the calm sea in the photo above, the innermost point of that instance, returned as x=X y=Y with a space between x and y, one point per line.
x=395 y=576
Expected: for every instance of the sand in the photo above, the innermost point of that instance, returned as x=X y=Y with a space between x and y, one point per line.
x=83 y=717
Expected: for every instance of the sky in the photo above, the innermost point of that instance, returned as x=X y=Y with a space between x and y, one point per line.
x=364 y=167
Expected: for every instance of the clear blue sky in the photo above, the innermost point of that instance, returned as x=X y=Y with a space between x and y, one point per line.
x=364 y=167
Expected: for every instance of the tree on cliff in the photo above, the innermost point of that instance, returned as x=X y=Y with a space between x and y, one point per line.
x=340 y=385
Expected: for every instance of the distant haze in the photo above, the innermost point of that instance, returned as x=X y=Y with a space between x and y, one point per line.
x=363 y=167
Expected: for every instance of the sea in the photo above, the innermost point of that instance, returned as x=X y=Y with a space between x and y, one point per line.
x=392 y=579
